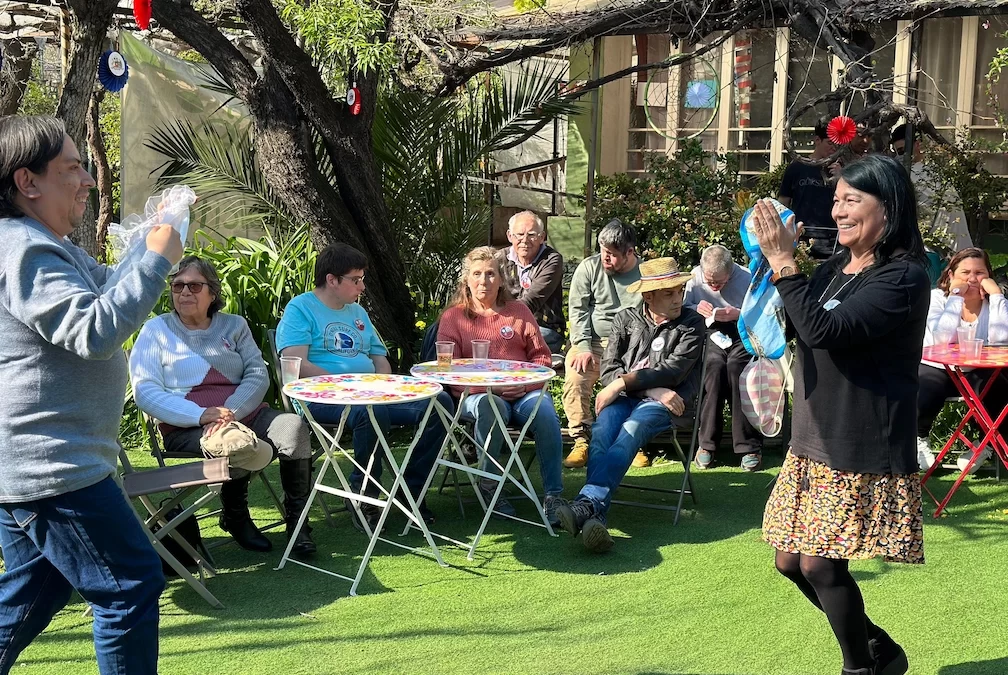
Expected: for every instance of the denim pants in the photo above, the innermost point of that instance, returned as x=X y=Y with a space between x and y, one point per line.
x=89 y=540
x=622 y=429
x=545 y=428
x=553 y=339
x=365 y=440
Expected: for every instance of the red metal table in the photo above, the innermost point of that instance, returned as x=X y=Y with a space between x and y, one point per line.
x=994 y=360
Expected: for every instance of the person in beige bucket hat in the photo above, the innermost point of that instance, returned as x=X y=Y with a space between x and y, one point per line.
x=650 y=373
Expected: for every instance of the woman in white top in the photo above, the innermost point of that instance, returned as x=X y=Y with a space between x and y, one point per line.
x=966 y=296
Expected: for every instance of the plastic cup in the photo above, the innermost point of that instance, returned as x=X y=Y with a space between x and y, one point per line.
x=972 y=348
x=480 y=351
x=966 y=333
x=290 y=368
x=445 y=350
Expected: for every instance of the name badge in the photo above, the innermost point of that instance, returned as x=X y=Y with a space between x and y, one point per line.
x=658 y=344
x=831 y=304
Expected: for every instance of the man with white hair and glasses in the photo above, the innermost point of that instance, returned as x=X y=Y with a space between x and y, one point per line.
x=533 y=272
x=716 y=291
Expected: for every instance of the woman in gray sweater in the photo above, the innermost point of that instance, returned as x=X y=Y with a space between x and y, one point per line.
x=65 y=523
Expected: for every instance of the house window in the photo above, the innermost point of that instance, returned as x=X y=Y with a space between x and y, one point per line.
x=751 y=100
x=938 y=76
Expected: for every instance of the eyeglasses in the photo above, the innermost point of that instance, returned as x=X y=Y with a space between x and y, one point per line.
x=900 y=150
x=527 y=235
x=194 y=286
x=353 y=280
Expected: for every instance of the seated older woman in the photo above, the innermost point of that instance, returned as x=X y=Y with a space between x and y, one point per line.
x=967 y=297
x=196 y=368
x=483 y=309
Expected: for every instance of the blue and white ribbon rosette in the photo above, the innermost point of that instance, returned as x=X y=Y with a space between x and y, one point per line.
x=761 y=319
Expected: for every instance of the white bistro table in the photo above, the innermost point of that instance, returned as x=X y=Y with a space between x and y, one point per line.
x=367 y=390
x=489 y=374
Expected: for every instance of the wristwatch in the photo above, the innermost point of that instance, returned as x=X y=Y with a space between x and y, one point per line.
x=785 y=271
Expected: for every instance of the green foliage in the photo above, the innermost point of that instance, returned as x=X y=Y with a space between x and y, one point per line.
x=110 y=122
x=998 y=64
x=529 y=5
x=40 y=97
x=340 y=34
x=686 y=203
x=960 y=171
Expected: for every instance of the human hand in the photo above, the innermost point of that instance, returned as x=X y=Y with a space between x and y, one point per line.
x=958 y=287
x=511 y=393
x=990 y=287
x=726 y=314
x=776 y=239
x=668 y=398
x=216 y=414
x=581 y=362
x=834 y=169
x=609 y=394
x=705 y=309
x=211 y=429
x=165 y=241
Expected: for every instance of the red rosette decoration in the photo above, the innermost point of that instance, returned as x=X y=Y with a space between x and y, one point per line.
x=841 y=130
x=142 y=13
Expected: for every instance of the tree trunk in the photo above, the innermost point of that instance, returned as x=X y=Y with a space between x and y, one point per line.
x=103 y=174
x=349 y=211
x=19 y=54
x=89 y=22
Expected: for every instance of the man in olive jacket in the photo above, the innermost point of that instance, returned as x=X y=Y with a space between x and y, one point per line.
x=649 y=369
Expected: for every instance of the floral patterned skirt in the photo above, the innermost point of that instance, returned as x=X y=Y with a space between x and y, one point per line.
x=818 y=511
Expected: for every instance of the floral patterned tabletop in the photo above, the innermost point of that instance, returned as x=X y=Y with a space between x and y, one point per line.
x=361 y=389
x=492 y=372
x=990 y=357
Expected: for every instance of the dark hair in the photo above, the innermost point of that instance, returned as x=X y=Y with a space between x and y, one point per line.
x=820 y=126
x=899 y=134
x=26 y=143
x=618 y=236
x=885 y=179
x=210 y=274
x=337 y=260
x=945 y=280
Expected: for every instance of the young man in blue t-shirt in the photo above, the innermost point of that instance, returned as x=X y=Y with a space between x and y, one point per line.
x=332 y=334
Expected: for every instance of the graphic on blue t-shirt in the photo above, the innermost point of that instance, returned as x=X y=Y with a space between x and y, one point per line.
x=342 y=340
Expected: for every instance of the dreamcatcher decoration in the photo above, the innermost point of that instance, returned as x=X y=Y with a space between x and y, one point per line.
x=113 y=71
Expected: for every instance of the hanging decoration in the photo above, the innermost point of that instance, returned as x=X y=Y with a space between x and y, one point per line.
x=1 y=54
x=841 y=130
x=113 y=71
x=142 y=13
x=353 y=99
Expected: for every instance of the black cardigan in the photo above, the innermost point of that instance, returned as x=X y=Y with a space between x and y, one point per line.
x=855 y=401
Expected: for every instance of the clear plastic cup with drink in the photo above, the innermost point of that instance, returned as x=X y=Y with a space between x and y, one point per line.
x=445 y=350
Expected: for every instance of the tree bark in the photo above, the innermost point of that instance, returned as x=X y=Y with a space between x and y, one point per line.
x=19 y=54
x=103 y=174
x=89 y=22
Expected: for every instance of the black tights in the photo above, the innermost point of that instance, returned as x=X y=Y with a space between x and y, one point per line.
x=829 y=586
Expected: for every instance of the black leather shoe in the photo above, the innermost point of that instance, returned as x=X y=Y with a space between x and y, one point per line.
x=235 y=518
x=889 y=656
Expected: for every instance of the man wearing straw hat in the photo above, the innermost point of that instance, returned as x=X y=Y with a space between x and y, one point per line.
x=650 y=377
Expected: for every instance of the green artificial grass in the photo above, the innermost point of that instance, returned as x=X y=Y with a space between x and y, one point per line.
x=701 y=597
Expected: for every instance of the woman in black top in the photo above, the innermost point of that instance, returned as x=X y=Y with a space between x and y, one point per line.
x=849 y=487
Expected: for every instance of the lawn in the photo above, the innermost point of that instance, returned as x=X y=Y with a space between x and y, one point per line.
x=699 y=597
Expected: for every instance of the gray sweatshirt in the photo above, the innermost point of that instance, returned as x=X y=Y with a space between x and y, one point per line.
x=62 y=369
x=594 y=299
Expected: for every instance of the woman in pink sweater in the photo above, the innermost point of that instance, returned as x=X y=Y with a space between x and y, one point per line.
x=482 y=309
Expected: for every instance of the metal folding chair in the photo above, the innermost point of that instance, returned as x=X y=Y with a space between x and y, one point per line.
x=671 y=437
x=184 y=480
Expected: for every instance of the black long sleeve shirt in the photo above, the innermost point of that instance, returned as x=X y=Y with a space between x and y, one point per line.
x=855 y=400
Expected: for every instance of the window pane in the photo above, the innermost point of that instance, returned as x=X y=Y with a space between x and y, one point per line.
x=809 y=76
x=937 y=81
x=989 y=39
x=883 y=59
x=752 y=89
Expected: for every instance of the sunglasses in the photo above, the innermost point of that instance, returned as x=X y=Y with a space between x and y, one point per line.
x=194 y=286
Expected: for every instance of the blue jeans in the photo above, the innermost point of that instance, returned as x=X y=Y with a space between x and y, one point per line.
x=623 y=428
x=545 y=428
x=553 y=339
x=365 y=439
x=89 y=540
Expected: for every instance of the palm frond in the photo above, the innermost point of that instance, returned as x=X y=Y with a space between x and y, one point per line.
x=218 y=161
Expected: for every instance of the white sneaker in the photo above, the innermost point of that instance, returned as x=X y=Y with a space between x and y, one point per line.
x=964 y=459
x=925 y=458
